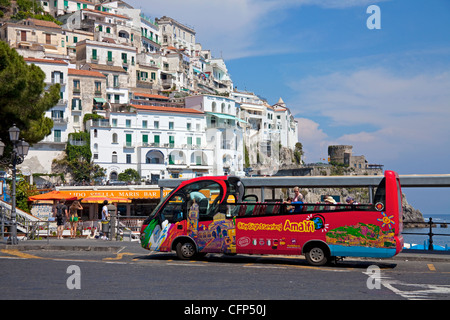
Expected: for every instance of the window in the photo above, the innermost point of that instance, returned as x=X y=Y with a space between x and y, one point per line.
x=76 y=104
x=57 y=135
x=171 y=125
x=114 y=157
x=156 y=140
x=189 y=141
x=76 y=86
x=116 y=81
x=114 y=122
x=124 y=58
x=114 y=138
x=145 y=139
x=144 y=124
x=204 y=192
x=98 y=87
x=189 y=126
x=110 y=56
x=128 y=158
x=171 y=141
x=156 y=124
x=128 y=123
x=94 y=54
x=128 y=139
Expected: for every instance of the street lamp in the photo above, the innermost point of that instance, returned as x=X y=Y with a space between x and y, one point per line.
x=20 y=151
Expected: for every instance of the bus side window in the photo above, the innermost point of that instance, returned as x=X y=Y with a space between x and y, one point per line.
x=173 y=211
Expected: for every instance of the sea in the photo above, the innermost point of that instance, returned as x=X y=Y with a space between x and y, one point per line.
x=438 y=240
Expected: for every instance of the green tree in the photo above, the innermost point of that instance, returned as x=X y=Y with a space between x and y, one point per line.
x=129 y=175
x=23 y=98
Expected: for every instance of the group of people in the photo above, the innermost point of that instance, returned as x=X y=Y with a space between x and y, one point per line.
x=62 y=214
x=294 y=203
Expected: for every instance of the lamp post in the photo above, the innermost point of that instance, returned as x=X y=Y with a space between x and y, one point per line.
x=18 y=154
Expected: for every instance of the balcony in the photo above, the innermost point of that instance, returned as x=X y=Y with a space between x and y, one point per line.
x=102 y=123
x=60 y=121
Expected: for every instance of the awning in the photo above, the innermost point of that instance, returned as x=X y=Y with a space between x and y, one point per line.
x=101 y=199
x=222 y=116
x=100 y=100
x=52 y=195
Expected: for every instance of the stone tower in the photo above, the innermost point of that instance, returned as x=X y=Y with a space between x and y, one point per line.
x=340 y=154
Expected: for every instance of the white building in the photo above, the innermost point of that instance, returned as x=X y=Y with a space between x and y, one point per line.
x=158 y=142
x=41 y=155
x=224 y=132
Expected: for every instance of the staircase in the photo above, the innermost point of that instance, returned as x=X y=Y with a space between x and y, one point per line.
x=24 y=220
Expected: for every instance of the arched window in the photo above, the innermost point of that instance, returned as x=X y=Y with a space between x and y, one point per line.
x=114 y=138
x=214 y=106
x=155 y=157
x=114 y=157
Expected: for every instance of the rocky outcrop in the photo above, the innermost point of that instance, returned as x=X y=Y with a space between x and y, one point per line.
x=411 y=217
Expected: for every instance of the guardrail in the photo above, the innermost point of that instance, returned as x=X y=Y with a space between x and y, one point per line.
x=127 y=228
x=427 y=224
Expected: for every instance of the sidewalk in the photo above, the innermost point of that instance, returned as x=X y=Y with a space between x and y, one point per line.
x=82 y=244
x=79 y=244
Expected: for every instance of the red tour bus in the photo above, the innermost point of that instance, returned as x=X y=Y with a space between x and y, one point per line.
x=212 y=215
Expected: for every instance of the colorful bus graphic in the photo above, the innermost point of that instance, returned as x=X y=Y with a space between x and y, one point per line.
x=213 y=215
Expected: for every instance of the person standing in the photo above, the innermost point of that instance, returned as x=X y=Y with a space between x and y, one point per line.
x=61 y=216
x=105 y=217
x=73 y=218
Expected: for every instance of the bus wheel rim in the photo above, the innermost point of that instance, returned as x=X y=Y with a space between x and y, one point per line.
x=188 y=250
x=316 y=254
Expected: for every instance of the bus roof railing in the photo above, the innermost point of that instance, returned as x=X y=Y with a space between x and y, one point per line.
x=413 y=180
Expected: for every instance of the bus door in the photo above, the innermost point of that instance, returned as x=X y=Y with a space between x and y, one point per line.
x=206 y=217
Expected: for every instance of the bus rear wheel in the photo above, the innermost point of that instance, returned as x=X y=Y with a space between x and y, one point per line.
x=316 y=255
x=186 y=250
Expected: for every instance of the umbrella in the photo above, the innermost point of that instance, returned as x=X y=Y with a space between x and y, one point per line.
x=100 y=199
x=52 y=195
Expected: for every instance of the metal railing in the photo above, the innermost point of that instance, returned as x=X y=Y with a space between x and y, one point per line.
x=430 y=224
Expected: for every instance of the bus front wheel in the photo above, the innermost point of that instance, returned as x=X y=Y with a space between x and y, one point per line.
x=185 y=250
x=317 y=255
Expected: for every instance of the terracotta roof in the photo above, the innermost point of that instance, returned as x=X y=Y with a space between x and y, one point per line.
x=45 y=61
x=43 y=23
x=87 y=73
x=147 y=95
x=167 y=109
x=104 y=67
x=107 y=13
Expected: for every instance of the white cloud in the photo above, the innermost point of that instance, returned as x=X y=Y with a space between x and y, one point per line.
x=314 y=140
x=238 y=28
x=384 y=115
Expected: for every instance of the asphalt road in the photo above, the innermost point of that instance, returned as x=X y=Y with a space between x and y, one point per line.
x=89 y=275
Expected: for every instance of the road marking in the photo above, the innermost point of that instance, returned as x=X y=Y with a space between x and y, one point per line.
x=431 y=267
x=265 y=267
x=119 y=256
x=20 y=254
x=423 y=291
x=185 y=265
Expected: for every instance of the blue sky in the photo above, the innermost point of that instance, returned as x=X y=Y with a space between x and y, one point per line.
x=385 y=91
